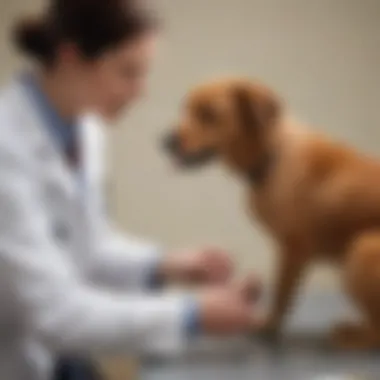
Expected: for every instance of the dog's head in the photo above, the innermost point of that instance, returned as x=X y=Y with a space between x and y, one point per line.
x=233 y=119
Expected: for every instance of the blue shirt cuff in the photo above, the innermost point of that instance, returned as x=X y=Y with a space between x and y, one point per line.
x=192 y=314
x=192 y=318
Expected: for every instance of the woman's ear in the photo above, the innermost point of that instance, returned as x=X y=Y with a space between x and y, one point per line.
x=256 y=108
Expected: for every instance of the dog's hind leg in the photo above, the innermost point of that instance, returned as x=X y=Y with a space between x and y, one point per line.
x=362 y=281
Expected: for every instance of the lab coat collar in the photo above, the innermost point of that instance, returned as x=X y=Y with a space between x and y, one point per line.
x=47 y=147
x=63 y=131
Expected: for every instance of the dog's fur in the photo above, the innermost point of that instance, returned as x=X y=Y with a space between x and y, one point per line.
x=318 y=198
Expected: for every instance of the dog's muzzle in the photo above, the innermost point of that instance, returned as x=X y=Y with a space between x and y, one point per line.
x=172 y=145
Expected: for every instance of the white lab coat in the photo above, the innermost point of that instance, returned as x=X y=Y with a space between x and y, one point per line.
x=68 y=283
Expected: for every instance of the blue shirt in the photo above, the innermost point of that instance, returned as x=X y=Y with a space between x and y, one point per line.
x=64 y=134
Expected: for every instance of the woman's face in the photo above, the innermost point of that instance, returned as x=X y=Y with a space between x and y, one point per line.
x=112 y=82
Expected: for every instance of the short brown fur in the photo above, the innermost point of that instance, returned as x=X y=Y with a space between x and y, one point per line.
x=317 y=198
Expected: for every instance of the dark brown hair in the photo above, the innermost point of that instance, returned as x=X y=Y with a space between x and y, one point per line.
x=94 y=26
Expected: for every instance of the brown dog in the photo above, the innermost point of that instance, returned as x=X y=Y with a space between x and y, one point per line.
x=316 y=197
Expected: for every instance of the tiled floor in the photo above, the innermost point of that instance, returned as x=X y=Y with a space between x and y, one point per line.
x=303 y=354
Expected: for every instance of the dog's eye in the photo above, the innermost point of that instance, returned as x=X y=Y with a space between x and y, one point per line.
x=206 y=115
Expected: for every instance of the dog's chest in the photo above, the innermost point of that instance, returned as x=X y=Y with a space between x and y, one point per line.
x=280 y=205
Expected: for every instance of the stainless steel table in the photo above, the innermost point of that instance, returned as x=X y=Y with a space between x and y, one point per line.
x=302 y=355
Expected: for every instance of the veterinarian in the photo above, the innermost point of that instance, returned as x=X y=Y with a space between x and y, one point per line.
x=70 y=285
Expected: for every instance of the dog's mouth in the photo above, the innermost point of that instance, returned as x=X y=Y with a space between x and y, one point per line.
x=172 y=146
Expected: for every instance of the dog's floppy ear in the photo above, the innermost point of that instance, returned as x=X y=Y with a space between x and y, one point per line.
x=255 y=110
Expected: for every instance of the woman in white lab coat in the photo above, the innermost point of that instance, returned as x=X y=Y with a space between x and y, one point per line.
x=69 y=284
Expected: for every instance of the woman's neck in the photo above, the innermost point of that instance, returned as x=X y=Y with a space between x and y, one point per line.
x=60 y=93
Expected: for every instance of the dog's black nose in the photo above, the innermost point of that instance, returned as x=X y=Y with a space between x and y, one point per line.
x=171 y=142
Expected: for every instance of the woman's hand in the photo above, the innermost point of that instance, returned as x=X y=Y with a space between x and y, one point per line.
x=230 y=309
x=202 y=266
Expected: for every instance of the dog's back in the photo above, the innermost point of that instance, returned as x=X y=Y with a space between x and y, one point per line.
x=320 y=190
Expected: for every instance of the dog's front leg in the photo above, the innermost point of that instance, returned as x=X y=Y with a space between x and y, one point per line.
x=292 y=262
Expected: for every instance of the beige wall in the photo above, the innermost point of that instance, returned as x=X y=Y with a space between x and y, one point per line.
x=323 y=56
